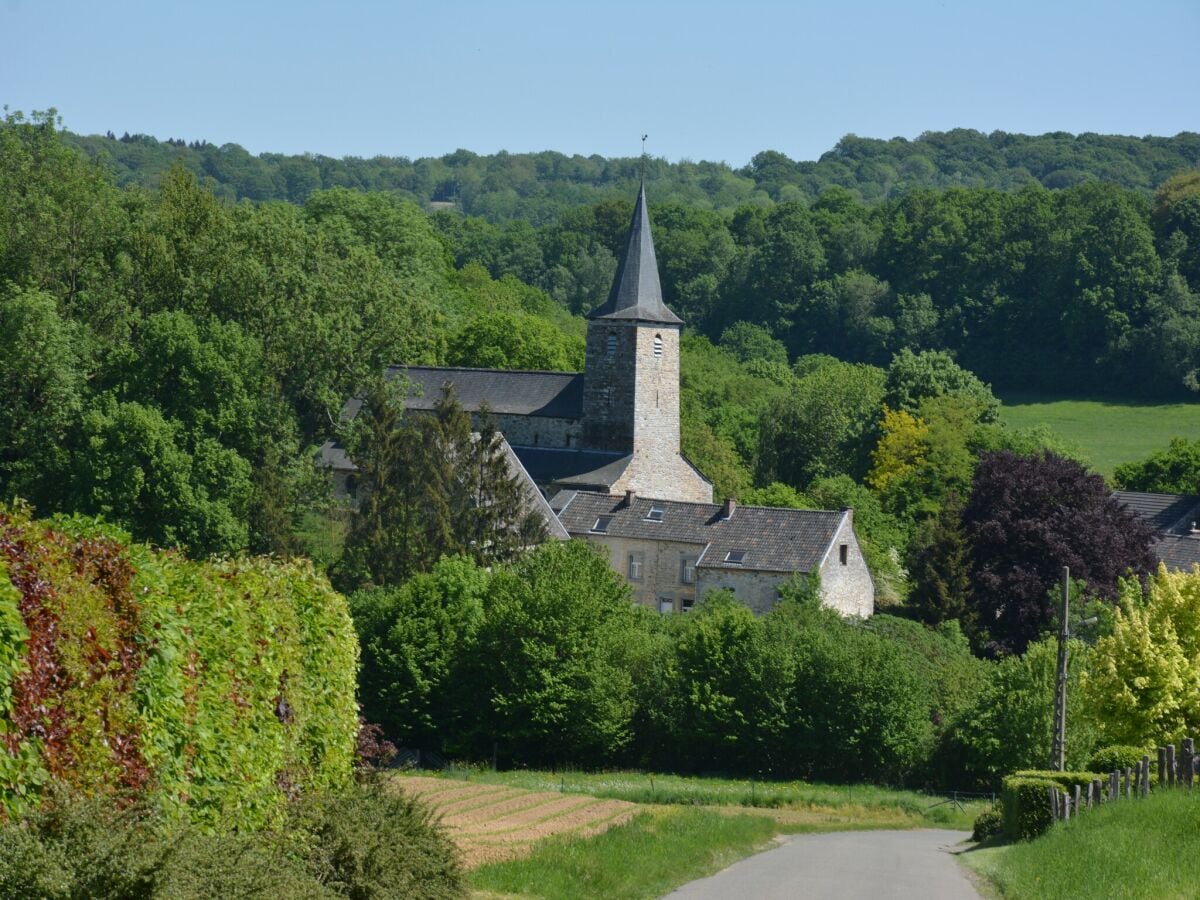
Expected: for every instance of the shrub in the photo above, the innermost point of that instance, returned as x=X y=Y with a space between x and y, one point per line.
x=1026 y=799
x=221 y=688
x=989 y=823
x=1116 y=757
x=372 y=843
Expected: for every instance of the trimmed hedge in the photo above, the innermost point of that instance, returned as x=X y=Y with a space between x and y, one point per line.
x=1027 y=803
x=1116 y=758
x=220 y=688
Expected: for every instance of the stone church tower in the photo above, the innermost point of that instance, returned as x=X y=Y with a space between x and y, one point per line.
x=631 y=378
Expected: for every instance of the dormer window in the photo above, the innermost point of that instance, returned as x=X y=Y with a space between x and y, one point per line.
x=656 y=514
x=610 y=346
x=602 y=523
x=658 y=345
x=735 y=557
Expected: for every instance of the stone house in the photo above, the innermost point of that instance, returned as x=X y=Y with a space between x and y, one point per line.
x=606 y=443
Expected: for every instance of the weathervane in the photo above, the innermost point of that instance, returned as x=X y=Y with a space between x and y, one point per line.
x=644 y=136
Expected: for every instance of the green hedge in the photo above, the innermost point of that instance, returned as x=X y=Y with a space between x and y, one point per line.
x=221 y=688
x=1117 y=758
x=1026 y=799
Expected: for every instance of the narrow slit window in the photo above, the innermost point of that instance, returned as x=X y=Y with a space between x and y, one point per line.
x=611 y=345
x=735 y=557
x=844 y=553
x=656 y=514
x=602 y=523
x=658 y=345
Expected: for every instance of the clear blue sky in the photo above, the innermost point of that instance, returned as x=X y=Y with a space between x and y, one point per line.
x=705 y=80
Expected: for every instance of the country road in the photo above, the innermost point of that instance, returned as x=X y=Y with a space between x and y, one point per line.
x=845 y=865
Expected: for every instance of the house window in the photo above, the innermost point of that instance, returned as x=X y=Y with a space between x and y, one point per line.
x=666 y=604
x=655 y=514
x=687 y=569
x=611 y=345
x=735 y=557
x=844 y=553
x=658 y=345
x=686 y=604
x=635 y=566
x=602 y=523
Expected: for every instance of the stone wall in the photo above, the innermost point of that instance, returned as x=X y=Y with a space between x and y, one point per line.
x=661 y=569
x=847 y=587
x=758 y=590
x=538 y=431
x=609 y=385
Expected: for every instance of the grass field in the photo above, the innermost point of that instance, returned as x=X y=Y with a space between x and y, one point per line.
x=1106 y=432
x=1133 y=850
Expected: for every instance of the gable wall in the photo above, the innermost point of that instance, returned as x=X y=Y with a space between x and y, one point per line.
x=847 y=588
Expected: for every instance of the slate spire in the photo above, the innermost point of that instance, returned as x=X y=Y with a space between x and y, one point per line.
x=636 y=292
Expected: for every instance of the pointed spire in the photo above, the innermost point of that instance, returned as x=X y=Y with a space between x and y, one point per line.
x=636 y=292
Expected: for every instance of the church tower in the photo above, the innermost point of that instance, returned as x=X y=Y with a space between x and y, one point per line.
x=631 y=376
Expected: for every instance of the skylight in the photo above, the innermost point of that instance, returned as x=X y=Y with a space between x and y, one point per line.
x=656 y=514
x=602 y=523
x=735 y=557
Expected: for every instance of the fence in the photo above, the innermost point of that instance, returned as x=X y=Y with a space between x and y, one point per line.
x=1130 y=783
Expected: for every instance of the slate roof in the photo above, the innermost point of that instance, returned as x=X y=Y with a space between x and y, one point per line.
x=552 y=394
x=636 y=292
x=583 y=469
x=1165 y=513
x=1178 y=551
x=775 y=540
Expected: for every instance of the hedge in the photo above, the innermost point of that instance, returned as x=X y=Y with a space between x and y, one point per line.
x=219 y=688
x=1026 y=799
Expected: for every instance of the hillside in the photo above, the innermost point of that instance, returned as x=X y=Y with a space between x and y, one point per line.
x=538 y=186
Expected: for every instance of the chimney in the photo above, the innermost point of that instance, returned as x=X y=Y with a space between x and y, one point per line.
x=630 y=496
x=728 y=507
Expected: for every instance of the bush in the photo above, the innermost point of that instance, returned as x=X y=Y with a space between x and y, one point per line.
x=1116 y=758
x=221 y=688
x=989 y=823
x=361 y=842
x=1026 y=799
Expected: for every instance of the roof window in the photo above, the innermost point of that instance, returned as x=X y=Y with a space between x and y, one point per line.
x=656 y=514
x=602 y=523
x=735 y=557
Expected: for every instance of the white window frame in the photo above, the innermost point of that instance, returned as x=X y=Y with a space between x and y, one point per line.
x=636 y=565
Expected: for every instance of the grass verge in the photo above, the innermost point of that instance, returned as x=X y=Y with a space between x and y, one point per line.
x=847 y=806
x=658 y=850
x=1142 y=849
x=1107 y=432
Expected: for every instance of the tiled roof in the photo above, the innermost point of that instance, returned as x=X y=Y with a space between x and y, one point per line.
x=775 y=540
x=1165 y=513
x=553 y=394
x=332 y=455
x=581 y=468
x=636 y=292
x=1178 y=551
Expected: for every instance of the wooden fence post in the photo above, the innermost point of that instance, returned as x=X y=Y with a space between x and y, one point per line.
x=1114 y=785
x=1187 y=763
x=1053 y=794
x=1078 y=793
x=1162 y=767
x=1170 y=765
x=1145 y=775
x=1095 y=793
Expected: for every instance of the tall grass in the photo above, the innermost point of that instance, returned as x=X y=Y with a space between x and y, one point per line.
x=1137 y=849
x=1106 y=432
x=646 y=857
x=680 y=790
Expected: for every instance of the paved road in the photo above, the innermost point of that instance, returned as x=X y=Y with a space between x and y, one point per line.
x=844 y=865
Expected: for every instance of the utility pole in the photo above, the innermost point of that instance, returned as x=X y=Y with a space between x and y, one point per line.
x=1058 y=753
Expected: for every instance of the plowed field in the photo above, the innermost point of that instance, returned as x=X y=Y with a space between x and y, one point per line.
x=491 y=823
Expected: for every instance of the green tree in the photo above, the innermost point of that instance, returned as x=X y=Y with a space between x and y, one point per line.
x=1175 y=470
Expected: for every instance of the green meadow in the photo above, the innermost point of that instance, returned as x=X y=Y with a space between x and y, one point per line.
x=1106 y=433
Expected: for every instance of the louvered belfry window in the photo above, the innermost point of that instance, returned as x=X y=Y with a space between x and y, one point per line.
x=658 y=345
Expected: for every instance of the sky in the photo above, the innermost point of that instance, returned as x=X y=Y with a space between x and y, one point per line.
x=704 y=80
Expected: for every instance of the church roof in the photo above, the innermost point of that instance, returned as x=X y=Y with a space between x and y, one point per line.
x=553 y=394
x=764 y=539
x=636 y=292
x=574 y=467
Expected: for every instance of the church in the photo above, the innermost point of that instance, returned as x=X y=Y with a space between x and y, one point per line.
x=600 y=453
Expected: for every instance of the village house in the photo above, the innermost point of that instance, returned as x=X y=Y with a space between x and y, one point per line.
x=603 y=446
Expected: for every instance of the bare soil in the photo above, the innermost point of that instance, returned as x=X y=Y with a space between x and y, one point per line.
x=491 y=823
